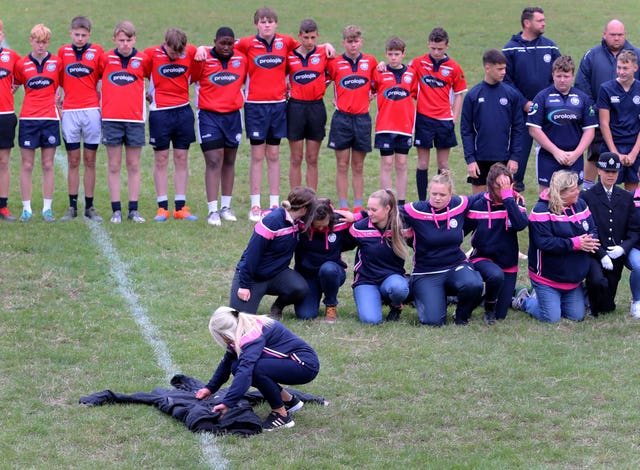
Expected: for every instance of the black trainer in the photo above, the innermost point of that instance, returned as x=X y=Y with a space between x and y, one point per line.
x=276 y=421
x=294 y=404
x=394 y=313
x=276 y=312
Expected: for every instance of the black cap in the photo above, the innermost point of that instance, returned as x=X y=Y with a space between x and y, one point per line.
x=609 y=161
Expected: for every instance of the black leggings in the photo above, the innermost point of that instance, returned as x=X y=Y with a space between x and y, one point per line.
x=288 y=285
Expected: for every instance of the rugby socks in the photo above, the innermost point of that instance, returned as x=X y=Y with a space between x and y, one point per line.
x=357 y=205
x=116 y=206
x=213 y=206
x=344 y=205
x=180 y=201
x=422 y=180
x=26 y=206
x=225 y=201
x=73 y=201
x=255 y=200
x=46 y=205
x=274 y=200
x=88 y=202
x=3 y=202
x=133 y=206
x=163 y=202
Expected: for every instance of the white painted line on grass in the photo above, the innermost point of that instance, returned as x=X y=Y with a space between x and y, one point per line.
x=119 y=270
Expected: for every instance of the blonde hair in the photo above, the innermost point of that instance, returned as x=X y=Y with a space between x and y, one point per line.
x=386 y=197
x=560 y=181
x=228 y=323
x=125 y=27
x=40 y=33
x=444 y=177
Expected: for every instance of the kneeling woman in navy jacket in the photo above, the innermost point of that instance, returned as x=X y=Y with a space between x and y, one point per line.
x=262 y=353
x=263 y=268
x=440 y=267
x=562 y=234
x=379 y=262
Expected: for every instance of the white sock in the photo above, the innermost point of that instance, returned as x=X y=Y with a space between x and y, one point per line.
x=225 y=201
x=162 y=198
x=180 y=197
x=26 y=206
x=274 y=200
x=255 y=200
x=46 y=205
x=213 y=206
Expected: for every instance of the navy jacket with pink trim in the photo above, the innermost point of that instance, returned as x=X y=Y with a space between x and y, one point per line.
x=270 y=248
x=555 y=258
x=275 y=341
x=495 y=228
x=437 y=234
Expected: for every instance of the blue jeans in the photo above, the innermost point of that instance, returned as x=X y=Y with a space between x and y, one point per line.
x=633 y=263
x=330 y=277
x=369 y=297
x=551 y=304
x=430 y=293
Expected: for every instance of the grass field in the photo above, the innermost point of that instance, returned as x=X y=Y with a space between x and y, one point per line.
x=88 y=307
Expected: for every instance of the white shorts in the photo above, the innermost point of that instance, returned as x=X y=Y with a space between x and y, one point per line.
x=81 y=123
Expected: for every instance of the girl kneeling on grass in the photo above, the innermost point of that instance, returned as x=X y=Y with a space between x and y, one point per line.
x=262 y=353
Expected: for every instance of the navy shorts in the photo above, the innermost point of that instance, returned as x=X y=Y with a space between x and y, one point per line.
x=434 y=133
x=546 y=166
x=173 y=125
x=306 y=120
x=265 y=120
x=131 y=134
x=350 y=131
x=34 y=133
x=390 y=143
x=484 y=172
x=8 y=123
x=628 y=174
x=219 y=129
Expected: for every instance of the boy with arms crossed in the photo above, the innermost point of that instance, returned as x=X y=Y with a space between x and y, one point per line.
x=80 y=113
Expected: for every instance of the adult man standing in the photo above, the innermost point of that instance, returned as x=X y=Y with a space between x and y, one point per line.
x=529 y=58
x=596 y=67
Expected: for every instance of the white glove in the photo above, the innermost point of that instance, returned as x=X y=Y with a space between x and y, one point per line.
x=606 y=263
x=615 y=252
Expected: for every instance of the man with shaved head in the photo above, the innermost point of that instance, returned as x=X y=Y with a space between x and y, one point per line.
x=598 y=66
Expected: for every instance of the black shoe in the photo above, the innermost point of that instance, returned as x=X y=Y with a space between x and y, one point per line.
x=294 y=404
x=276 y=312
x=394 y=313
x=489 y=318
x=276 y=420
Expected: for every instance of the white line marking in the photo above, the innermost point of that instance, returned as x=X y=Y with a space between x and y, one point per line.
x=119 y=270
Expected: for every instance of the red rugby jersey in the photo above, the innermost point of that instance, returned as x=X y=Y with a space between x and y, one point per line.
x=307 y=75
x=40 y=83
x=352 y=82
x=8 y=60
x=123 y=90
x=395 y=96
x=436 y=81
x=80 y=76
x=267 y=67
x=219 y=82
x=170 y=79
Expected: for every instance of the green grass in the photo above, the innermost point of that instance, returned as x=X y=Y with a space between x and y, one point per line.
x=518 y=395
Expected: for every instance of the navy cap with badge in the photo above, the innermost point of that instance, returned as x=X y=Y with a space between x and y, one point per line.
x=609 y=161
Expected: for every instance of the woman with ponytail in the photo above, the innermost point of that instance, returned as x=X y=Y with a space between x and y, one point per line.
x=380 y=257
x=260 y=353
x=263 y=268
